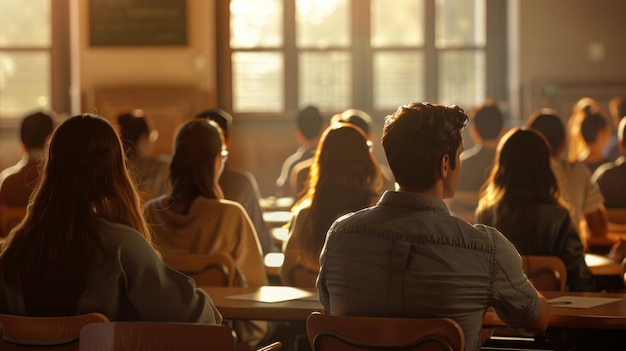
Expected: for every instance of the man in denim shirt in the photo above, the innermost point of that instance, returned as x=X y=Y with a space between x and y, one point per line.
x=408 y=257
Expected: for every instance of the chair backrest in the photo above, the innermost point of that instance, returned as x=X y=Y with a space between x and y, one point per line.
x=155 y=336
x=326 y=332
x=10 y=217
x=215 y=269
x=45 y=331
x=547 y=273
x=616 y=215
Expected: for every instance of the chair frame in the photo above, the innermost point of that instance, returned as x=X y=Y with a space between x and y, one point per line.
x=382 y=333
x=143 y=336
x=197 y=267
x=46 y=331
x=532 y=264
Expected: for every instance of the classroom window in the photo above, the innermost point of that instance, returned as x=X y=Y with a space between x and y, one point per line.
x=336 y=54
x=25 y=57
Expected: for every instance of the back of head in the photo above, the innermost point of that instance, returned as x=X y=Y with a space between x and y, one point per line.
x=488 y=120
x=546 y=122
x=310 y=122
x=592 y=124
x=512 y=167
x=355 y=117
x=35 y=130
x=86 y=160
x=343 y=160
x=133 y=125
x=219 y=116
x=192 y=171
x=417 y=137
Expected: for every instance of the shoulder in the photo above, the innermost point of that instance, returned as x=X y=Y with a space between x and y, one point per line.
x=222 y=206
x=237 y=177
x=120 y=235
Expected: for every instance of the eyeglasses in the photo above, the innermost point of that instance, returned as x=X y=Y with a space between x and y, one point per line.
x=224 y=154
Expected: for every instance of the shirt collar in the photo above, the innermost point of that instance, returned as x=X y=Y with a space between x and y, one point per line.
x=413 y=200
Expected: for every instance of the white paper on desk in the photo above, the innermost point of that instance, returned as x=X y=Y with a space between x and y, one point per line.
x=580 y=301
x=274 y=294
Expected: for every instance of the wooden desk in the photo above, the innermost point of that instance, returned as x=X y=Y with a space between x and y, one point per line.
x=275 y=219
x=602 y=265
x=248 y=309
x=607 y=316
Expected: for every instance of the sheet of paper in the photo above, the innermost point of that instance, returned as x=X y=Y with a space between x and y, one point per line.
x=274 y=294
x=580 y=301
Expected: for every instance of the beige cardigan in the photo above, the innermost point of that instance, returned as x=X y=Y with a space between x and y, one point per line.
x=211 y=225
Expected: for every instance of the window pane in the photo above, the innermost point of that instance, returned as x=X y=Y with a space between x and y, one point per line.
x=462 y=78
x=257 y=82
x=25 y=23
x=325 y=80
x=460 y=22
x=398 y=79
x=256 y=23
x=24 y=82
x=322 y=23
x=399 y=25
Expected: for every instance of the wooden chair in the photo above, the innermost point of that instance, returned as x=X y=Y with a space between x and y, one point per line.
x=326 y=332
x=616 y=215
x=617 y=222
x=157 y=336
x=59 y=333
x=216 y=269
x=547 y=273
x=10 y=217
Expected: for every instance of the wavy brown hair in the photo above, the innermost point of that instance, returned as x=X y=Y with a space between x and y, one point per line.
x=344 y=178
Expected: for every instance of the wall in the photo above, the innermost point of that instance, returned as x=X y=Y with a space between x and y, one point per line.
x=257 y=145
x=575 y=46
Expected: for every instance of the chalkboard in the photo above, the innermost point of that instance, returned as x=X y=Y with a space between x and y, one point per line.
x=137 y=22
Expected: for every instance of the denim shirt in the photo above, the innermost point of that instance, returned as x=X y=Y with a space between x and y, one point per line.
x=408 y=257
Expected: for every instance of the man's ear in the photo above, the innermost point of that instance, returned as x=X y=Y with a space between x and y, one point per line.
x=444 y=166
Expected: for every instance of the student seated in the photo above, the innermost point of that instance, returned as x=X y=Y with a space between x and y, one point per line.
x=241 y=186
x=310 y=127
x=521 y=201
x=345 y=177
x=17 y=182
x=408 y=257
x=582 y=196
x=195 y=218
x=148 y=170
x=84 y=245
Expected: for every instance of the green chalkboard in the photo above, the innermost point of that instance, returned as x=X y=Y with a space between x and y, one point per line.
x=137 y=22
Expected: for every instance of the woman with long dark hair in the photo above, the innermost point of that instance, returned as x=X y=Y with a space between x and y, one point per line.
x=521 y=200
x=84 y=245
x=344 y=177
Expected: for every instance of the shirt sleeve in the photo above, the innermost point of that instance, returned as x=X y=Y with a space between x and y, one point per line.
x=159 y=293
x=515 y=299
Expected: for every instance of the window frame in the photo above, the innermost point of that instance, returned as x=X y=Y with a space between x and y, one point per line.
x=495 y=52
x=59 y=58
